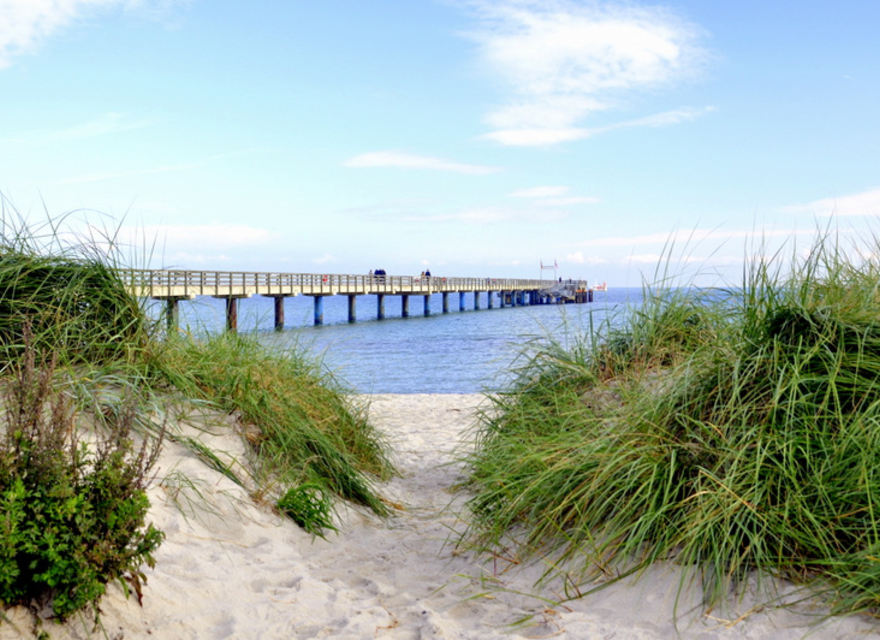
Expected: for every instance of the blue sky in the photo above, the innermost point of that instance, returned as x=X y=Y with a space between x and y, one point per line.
x=471 y=137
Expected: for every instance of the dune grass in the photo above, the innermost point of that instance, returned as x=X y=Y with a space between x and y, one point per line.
x=103 y=365
x=736 y=432
x=296 y=417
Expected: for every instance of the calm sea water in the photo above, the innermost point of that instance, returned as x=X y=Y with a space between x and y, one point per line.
x=458 y=352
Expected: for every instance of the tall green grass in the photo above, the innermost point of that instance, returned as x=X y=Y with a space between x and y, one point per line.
x=732 y=431
x=67 y=293
x=297 y=418
x=62 y=303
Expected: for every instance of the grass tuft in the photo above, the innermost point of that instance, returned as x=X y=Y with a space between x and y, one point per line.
x=732 y=431
x=298 y=422
x=309 y=506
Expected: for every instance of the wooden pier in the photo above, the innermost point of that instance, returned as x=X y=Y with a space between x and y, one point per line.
x=173 y=286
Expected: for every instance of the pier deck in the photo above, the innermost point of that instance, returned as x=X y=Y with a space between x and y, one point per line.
x=175 y=285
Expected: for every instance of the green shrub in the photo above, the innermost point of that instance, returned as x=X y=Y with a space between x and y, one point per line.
x=72 y=520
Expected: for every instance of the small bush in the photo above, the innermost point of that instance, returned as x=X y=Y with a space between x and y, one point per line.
x=72 y=520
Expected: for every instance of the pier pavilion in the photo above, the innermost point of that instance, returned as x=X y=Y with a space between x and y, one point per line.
x=172 y=286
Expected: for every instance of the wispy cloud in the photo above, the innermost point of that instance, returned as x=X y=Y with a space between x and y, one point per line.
x=569 y=201
x=325 y=258
x=26 y=24
x=544 y=136
x=552 y=196
x=145 y=171
x=105 y=124
x=685 y=237
x=864 y=203
x=540 y=192
x=491 y=215
x=564 y=61
x=114 y=175
x=400 y=160
x=216 y=236
x=578 y=257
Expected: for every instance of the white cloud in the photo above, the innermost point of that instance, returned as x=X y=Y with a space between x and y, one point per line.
x=865 y=203
x=552 y=196
x=401 y=160
x=687 y=237
x=663 y=119
x=550 y=111
x=180 y=259
x=105 y=124
x=578 y=257
x=490 y=215
x=645 y=258
x=167 y=168
x=102 y=125
x=540 y=192
x=215 y=236
x=473 y=216
x=567 y=202
x=565 y=61
x=27 y=23
x=544 y=136
x=324 y=259
x=113 y=175
x=536 y=137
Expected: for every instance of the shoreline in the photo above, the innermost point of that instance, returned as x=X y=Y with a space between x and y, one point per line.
x=232 y=569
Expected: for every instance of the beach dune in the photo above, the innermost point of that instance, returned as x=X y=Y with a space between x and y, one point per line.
x=230 y=568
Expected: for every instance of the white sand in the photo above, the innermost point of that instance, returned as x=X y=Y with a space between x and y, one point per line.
x=238 y=571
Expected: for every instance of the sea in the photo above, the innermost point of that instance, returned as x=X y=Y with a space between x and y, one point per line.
x=470 y=351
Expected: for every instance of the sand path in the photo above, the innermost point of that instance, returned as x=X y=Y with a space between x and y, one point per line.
x=231 y=569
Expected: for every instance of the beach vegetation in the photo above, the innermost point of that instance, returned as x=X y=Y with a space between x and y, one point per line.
x=309 y=506
x=735 y=431
x=295 y=417
x=73 y=511
x=69 y=295
x=91 y=382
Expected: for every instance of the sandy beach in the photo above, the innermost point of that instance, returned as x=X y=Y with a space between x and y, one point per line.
x=232 y=569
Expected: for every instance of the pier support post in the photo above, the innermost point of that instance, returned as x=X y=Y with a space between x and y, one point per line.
x=589 y=295
x=427 y=304
x=171 y=313
x=380 y=306
x=445 y=302
x=279 y=313
x=461 y=300
x=352 y=308
x=404 y=306
x=490 y=302
x=513 y=298
x=501 y=299
x=232 y=314
x=319 y=310
x=476 y=300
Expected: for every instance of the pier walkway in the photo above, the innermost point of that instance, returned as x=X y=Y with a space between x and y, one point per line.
x=173 y=286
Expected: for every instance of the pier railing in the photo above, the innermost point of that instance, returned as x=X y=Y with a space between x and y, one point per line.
x=169 y=283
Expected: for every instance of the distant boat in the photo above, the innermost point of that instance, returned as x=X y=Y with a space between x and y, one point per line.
x=600 y=287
